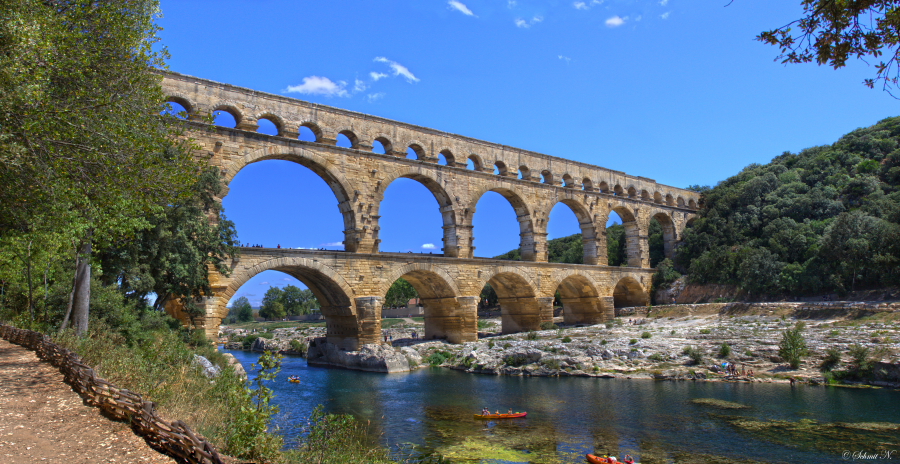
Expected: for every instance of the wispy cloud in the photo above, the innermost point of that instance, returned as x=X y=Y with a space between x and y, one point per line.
x=461 y=7
x=359 y=86
x=287 y=279
x=331 y=244
x=264 y=283
x=639 y=17
x=564 y=58
x=519 y=22
x=373 y=97
x=511 y=3
x=317 y=85
x=429 y=246
x=581 y=6
x=665 y=15
x=376 y=76
x=615 y=21
x=663 y=2
x=398 y=69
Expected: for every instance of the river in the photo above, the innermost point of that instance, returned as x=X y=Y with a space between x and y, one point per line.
x=654 y=421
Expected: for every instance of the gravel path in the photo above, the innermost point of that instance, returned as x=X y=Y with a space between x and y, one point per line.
x=43 y=420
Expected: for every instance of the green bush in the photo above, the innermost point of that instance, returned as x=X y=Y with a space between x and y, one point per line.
x=695 y=354
x=860 y=359
x=298 y=346
x=531 y=335
x=725 y=350
x=705 y=331
x=792 y=347
x=552 y=364
x=436 y=358
x=490 y=343
x=547 y=325
x=604 y=342
x=337 y=438
x=633 y=341
x=832 y=359
x=567 y=339
x=658 y=357
x=516 y=360
x=646 y=335
x=483 y=324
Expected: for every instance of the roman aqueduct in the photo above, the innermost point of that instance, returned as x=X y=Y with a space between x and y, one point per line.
x=351 y=284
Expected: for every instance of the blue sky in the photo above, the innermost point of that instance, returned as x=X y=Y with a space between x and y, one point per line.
x=674 y=90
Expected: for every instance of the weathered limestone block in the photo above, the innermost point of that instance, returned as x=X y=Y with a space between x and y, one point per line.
x=371 y=357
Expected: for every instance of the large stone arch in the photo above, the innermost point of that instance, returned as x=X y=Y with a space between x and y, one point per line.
x=527 y=245
x=629 y=292
x=589 y=234
x=633 y=237
x=521 y=308
x=670 y=232
x=581 y=300
x=444 y=199
x=339 y=185
x=336 y=298
x=446 y=316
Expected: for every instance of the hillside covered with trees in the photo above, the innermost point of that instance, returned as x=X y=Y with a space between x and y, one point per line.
x=824 y=220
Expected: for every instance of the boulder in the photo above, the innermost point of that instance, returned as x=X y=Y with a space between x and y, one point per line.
x=265 y=344
x=236 y=365
x=209 y=369
x=373 y=357
x=412 y=356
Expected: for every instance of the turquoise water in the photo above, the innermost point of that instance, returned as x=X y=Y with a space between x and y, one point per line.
x=569 y=416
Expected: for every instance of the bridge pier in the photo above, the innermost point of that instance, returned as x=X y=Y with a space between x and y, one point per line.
x=587 y=310
x=451 y=319
x=520 y=314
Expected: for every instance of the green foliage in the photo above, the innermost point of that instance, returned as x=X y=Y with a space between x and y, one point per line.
x=725 y=350
x=861 y=361
x=665 y=274
x=547 y=325
x=604 y=342
x=436 y=358
x=792 y=347
x=483 y=324
x=832 y=359
x=552 y=364
x=657 y=357
x=830 y=33
x=515 y=360
x=705 y=331
x=646 y=335
x=333 y=438
x=826 y=218
x=566 y=339
x=531 y=335
x=489 y=298
x=693 y=353
x=241 y=310
x=297 y=301
x=399 y=294
x=272 y=306
x=570 y=249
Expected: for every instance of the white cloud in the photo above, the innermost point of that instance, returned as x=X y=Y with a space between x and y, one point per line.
x=615 y=21
x=564 y=58
x=376 y=76
x=461 y=7
x=537 y=19
x=639 y=17
x=287 y=279
x=429 y=246
x=399 y=69
x=580 y=6
x=264 y=283
x=663 y=2
x=331 y=244
x=359 y=86
x=665 y=15
x=597 y=2
x=526 y=24
x=511 y=3
x=317 y=85
x=373 y=97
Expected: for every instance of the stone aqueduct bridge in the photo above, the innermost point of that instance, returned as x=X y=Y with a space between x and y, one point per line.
x=351 y=284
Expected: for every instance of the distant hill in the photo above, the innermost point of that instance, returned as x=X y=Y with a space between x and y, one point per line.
x=824 y=220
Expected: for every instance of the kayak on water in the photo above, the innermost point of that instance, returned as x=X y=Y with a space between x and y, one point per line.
x=294 y=379
x=607 y=460
x=514 y=415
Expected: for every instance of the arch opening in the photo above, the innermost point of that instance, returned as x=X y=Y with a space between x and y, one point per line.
x=524 y=172
x=603 y=187
x=424 y=293
x=657 y=198
x=628 y=293
x=494 y=225
x=347 y=139
x=546 y=177
x=415 y=152
x=622 y=238
x=618 y=190
x=581 y=302
x=309 y=132
x=568 y=181
x=445 y=157
x=176 y=109
x=519 y=309
x=587 y=185
x=413 y=215
x=500 y=168
x=571 y=236
x=662 y=238
x=473 y=163
x=225 y=117
x=267 y=126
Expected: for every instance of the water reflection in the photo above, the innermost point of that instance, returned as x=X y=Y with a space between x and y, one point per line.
x=568 y=417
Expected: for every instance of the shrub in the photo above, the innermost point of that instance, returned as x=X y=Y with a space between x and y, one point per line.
x=483 y=324
x=632 y=341
x=337 y=438
x=725 y=350
x=567 y=339
x=531 y=335
x=658 y=357
x=609 y=325
x=436 y=358
x=248 y=341
x=860 y=360
x=695 y=354
x=706 y=331
x=672 y=332
x=832 y=359
x=298 y=346
x=792 y=347
x=552 y=364
x=490 y=343
x=547 y=325
x=749 y=353
x=646 y=335
x=515 y=360
x=604 y=342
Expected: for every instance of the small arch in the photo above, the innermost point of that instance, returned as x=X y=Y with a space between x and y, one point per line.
x=603 y=187
x=183 y=101
x=384 y=144
x=500 y=168
x=515 y=294
x=580 y=302
x=311 y=128
x=669 y=238
x=670 y=200
x=347 y=139
x=270 y=124
x=546 y=177
x=628 y=293
x=474 y=163
x=657 y=198
x=524 y=172
x=680 y=202
x=446 y=158
x=645 y=195
x=415 y=151
x=229 y=110
x=618 y=191
x=692 y=204
x=567 y=181
x=175 y=110
x=522 y=215
x=587 y=185
x=632 y=192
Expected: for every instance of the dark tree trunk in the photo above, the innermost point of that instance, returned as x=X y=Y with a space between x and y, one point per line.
x=82 y=299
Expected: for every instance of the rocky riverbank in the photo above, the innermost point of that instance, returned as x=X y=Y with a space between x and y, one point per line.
x=673 y=342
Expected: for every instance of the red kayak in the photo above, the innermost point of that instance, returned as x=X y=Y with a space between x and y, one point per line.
x=501 y=416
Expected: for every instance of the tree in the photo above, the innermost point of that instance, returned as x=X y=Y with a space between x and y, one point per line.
x=399 y=294
x=84 y=153
x=298 y=301
x=832 y=32
x=241 y=310
x=792 y=347
x=272 y=307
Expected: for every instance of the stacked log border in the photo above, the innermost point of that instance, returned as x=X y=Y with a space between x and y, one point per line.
x=175 y=439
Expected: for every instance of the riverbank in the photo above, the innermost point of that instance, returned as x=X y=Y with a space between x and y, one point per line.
x=671 y=342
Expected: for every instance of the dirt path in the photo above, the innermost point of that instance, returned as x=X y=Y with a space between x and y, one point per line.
x=43 y=420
